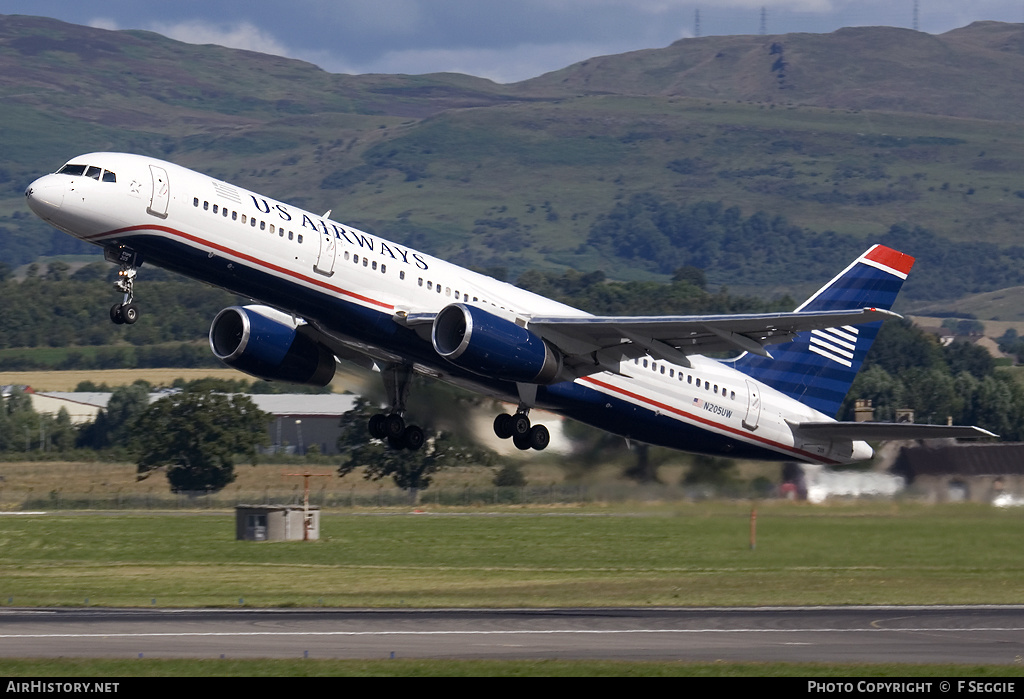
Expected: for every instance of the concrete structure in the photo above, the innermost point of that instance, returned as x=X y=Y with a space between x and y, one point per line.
x=275 y=523
x=300 y=420
x=951 y=472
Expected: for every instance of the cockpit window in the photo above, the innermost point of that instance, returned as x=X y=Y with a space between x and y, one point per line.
x=70 y=169
x=92 y=171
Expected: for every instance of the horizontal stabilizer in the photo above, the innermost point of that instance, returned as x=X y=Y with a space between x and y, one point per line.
x=885 y=431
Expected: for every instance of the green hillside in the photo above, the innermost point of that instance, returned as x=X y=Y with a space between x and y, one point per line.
x=834 y=138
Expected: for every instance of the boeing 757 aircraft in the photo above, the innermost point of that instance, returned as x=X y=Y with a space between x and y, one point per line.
x=327 y=291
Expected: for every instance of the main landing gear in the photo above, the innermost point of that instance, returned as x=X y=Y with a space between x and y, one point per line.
x=518 y=427
x=391 y=426
x=129 y=261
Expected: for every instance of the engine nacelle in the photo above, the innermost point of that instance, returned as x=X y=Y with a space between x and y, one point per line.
x=485 y=344
x=268 y=344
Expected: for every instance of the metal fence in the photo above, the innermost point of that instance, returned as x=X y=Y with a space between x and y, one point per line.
x=555 y=494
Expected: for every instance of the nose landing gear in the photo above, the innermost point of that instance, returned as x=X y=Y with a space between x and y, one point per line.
x=129 y=262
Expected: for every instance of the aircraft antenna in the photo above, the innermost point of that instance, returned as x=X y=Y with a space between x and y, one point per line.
x=916 y=3
x=696 y=23
x=764 y=20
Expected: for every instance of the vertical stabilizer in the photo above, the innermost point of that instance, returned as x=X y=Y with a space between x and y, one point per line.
x=818 y=367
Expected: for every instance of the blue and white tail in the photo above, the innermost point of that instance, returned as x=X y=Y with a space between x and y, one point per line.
x=818 y=367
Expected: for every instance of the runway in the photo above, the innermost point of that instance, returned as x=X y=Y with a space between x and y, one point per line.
x=968 y=635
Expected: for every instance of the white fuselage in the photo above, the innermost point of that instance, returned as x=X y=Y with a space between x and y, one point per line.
x=354 y=286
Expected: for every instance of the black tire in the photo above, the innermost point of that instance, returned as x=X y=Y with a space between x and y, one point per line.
x=394 y=426
x=115 y=314
x=522 y=441
x=396 y=442
x=376 y=426
x=503 y=426
x=540 y=438
x=130 y=313
x=520 y=425
x=414 y=438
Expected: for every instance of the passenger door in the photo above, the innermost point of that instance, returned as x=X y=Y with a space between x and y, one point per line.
x=161 y=195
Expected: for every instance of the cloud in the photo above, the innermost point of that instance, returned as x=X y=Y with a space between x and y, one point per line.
x=239 y=35
x=504 y=65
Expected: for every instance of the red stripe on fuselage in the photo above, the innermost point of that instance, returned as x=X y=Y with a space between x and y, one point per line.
x=247 y=258
x=705 y=421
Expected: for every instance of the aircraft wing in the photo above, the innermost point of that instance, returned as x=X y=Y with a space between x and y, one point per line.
x=671 y=338
x=884 y=431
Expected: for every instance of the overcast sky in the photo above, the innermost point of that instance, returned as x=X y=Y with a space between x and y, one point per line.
x=506 y=40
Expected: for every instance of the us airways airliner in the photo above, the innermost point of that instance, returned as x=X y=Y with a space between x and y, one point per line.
x=326 y=291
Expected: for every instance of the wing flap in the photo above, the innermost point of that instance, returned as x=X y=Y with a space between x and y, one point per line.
x=885 y=431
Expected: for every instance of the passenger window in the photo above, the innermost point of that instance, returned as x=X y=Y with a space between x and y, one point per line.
x=206 y=206
x=645 y=364
x=243 y=219
x=430 y=286
x=383 y=269
x=263 y=225
x=355 y=259
x=299 y=237
x=108 y=176
x=252 y=222
x=401 y=275
x=234 y=215
x=215 y=208
x=225 y=212
x=374 y=265
x=195 y=202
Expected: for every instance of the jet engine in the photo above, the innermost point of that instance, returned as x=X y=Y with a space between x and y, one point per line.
x=485 y=344
x=270 y=345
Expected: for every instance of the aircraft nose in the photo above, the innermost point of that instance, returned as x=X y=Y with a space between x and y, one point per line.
x=46 y=194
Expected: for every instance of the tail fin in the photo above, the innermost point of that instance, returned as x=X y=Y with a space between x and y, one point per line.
x=818 y=367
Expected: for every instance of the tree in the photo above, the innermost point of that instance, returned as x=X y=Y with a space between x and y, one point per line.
x=114 y=427
x=196 y=435
x=409 y=470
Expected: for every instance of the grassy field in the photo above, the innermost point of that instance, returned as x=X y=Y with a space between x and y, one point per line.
x=684 y=555
x=658 y=555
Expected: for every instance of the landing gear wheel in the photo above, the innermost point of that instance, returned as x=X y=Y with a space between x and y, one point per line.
x=539 y=437
x=394 y=426
x=520 y=425
x=376 y=426
x=522 y=441
x=413 y=438
x=503 y=426
x=130 y=313
x=115 y=314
